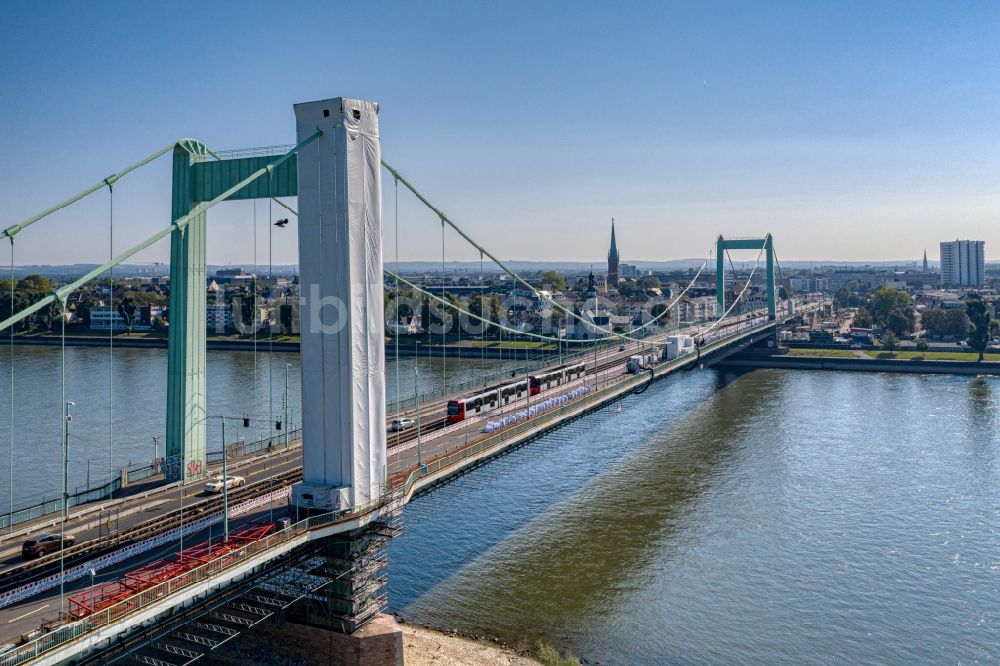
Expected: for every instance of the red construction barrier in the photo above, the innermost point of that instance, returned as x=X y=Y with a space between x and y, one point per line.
x=99 y=597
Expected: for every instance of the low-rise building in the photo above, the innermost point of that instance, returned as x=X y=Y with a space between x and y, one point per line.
x=219 y=317
x=107 y=318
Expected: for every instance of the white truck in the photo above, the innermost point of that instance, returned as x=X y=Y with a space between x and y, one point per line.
x=638 y=363
x=678 y=345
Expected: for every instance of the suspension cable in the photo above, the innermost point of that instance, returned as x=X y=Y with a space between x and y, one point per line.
x=10 y=458
x=111 y=341
x=178 y=224
x=396 y=309
x=397 y=178
x=478 y=318
x=446 y=220
x=738 y=297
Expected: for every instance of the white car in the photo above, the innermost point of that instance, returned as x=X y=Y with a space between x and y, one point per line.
x=399 y=425
x=214 y=485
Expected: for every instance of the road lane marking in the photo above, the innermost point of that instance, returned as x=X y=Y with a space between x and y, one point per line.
x=21 y=617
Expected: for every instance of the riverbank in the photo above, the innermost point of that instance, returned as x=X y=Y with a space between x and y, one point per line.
x=429 y=647
x=155 y=342
x=844 y=360
x=461 y=349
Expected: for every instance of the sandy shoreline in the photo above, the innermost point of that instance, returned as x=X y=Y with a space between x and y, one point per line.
x=430 y=647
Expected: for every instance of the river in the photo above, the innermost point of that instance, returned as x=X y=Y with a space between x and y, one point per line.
x=236 y=387
x=789 y=517
x=780 y=517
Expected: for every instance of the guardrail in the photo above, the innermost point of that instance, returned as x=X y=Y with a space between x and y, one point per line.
x=130 y=475
x=69 y=632
x=579 y=352
x=582 y=404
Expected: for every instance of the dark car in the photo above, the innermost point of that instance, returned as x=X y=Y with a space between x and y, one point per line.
x=43 y=544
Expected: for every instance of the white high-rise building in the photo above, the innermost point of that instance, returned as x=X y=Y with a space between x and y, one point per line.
x=963 y=263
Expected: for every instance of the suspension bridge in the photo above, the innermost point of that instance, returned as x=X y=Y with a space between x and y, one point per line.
x=304 y=536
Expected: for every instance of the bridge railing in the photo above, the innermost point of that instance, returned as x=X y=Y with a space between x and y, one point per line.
x=67 y=633
x=583 y=403
x=535 y=361
x=134 y=473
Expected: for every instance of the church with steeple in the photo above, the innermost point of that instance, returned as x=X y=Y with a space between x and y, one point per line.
x=613 y=259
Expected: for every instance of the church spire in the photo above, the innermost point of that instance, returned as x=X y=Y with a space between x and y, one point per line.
x=613 y=252
x=613 y=259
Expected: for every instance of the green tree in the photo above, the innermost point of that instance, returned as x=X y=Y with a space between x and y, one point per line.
x=979 y=325
x=27 y=291
x=889 y=342
x=651 y=282
x=934 y=321
x=627 y=288
x=487 y=307
x=35 y=282
x=891 y=310
x=436 y=316
x=847 y=296
x=957 y=323
x=863 y=318
x=553 y=280
x=285 y=318
x=658 y=310
x=922 y=346
x=127 y=309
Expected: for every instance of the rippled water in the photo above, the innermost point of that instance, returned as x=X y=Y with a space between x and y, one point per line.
x=771 y=517
x=235 y=388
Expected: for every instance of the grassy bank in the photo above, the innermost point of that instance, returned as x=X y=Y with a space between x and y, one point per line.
x=827 y=353
x=897 y=355
x=933 y=356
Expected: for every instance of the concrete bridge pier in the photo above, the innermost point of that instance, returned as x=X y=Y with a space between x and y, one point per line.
x=343 y=376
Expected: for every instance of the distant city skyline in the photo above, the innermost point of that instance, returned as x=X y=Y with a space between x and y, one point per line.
x=850 y=132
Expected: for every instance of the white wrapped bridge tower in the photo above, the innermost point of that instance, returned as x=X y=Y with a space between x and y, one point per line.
x=340 y=288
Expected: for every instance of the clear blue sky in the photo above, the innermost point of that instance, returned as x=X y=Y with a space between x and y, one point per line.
x=849 y=130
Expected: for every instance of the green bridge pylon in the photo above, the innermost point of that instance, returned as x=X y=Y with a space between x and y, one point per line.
x=198 y=176
x=723 y=244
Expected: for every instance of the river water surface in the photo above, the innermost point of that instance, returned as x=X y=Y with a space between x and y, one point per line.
x=771 y=517
x=237 y=386
x=774 y=517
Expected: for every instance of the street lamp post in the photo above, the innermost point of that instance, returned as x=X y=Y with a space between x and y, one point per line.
x=416 y=397
x=67 y=419
x=156 y=447
x=285 y=404
x=225 y=484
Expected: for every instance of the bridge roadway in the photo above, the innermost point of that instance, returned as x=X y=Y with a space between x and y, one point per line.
x=279 y=468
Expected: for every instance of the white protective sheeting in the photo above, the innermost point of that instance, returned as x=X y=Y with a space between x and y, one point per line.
x=340 y=271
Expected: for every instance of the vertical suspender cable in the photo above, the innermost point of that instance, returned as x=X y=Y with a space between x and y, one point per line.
x=270 y=325
x=395 y=182
x=10 y=459
x=111 y=344
x=270 y=322
x=64 y=445
x=444 y=351
x=485 y=328
x=396 y=313
x=256 y=307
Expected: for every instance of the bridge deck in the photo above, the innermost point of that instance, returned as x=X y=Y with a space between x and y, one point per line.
x=443 y=453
